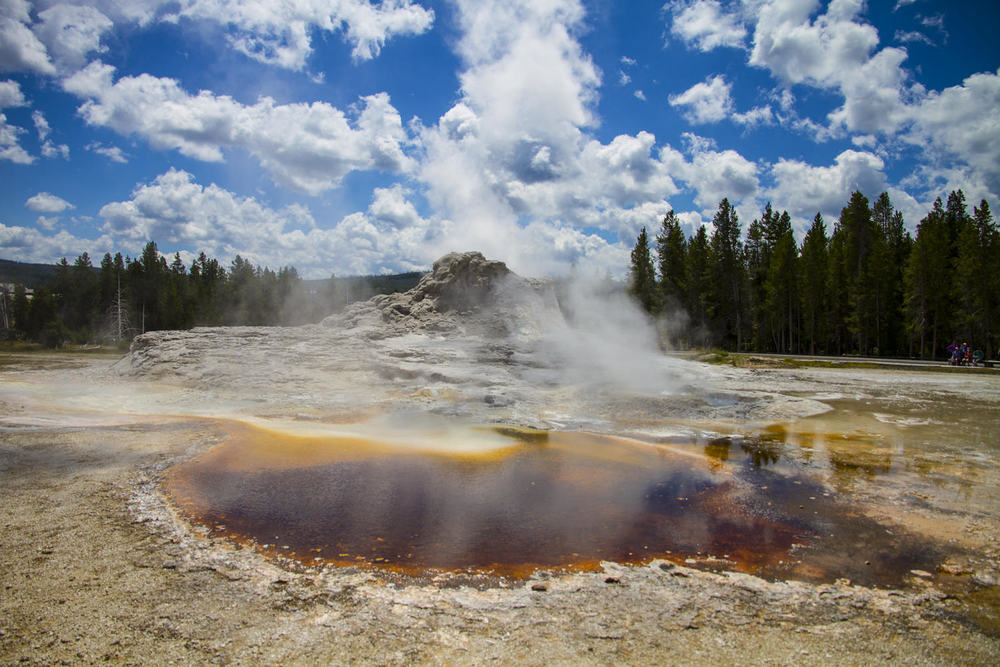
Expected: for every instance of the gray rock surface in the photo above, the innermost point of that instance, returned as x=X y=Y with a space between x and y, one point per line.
x=472 y=340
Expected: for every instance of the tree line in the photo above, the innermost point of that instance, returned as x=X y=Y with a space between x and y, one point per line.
x=867 y=287
x=123 y=297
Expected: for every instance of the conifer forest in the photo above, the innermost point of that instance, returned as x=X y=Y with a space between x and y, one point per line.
x=864 y=287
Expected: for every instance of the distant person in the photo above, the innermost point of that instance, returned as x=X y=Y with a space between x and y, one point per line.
x=977 y=357
x=952 y=350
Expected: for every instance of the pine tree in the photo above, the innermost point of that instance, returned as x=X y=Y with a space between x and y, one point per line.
x=781 y=286
x=82 y=298
x=642 y=278
x=975 y=278
x=928 y=281
x=891 y=252
x=837 y=290
x=813 y=283
x=699 y=286
x=860 y=243
x=671 y=247
x=727 y=277
x=44 y=323
x=756 y=256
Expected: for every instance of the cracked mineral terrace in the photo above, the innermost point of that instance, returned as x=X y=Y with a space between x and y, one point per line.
x=564 y=491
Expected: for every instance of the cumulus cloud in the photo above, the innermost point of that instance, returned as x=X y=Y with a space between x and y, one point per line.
x=280 y=33
x=44 y=202
x=70 y=33
x=961 y=121
x=704 y=25
x=833 y=51
x=20 y=49
x=275 y=33
x=31 y=245
x=309 y=147
x=178 y=211
x=10 y=146
x=512 y=167
x=912 y=36
x=11 y=95
x=49 y=148
x=754 y=117
x=41 y=125
x=52 y=150
x=113 y=153
x=803 y=189
x=707 y=102
x=713 y=174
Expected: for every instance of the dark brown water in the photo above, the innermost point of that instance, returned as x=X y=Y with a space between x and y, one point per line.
x=548 y=500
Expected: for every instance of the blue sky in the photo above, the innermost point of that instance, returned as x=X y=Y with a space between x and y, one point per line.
x=365 y=137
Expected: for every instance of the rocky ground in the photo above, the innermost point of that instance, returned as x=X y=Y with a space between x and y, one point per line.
x=96 y=566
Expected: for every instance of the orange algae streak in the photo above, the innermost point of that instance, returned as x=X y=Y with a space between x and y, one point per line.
x=548 y=500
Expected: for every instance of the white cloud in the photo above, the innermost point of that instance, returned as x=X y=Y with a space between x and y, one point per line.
x=640 y=95
x=275 y=33
x=912 y=36
x=511 y=167
x=623 y=78
x=864 y=141
x=44 y=202
x=391 y=207
x=705 y=102
x=50 y=150
x=71 y=32
x=704 y=25
x=31 y=245
x=833 y=51
x=961 y=121
x=629 y=62
x=10 y=147
x=803 y=189
x=113 y=153
x=713 y=174
x=11 y=95
x=755 y=117
x=20 y=49
x=873 y=95
x=177 y=211
x=280 y=33
x=41 y=125
x=309 y=147
x=47 y=223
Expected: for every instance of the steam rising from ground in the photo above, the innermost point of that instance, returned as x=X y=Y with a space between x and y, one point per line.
x=472 y=342
x=604 y=342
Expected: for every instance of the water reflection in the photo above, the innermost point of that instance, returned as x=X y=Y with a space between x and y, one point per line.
x=717 y=449
x=548 y=500
x=762 y=453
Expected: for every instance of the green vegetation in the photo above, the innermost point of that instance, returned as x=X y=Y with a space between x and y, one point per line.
x=868 y=288
x=122 y=297
x=22 y=273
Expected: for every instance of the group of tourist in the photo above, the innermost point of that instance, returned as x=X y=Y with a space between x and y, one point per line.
x=964 y=355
